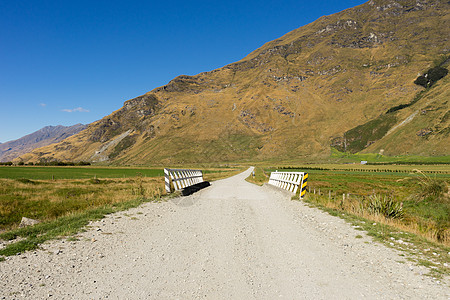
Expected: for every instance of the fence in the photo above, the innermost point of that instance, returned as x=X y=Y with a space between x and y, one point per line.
x=290 y=181
x=181 y=178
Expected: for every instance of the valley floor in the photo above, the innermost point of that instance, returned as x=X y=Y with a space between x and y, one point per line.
x=233 y=240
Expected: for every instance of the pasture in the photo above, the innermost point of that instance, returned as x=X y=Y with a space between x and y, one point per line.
x=85 y=172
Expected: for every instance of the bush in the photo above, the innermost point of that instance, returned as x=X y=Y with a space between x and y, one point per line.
x=431 y=76
x=436 y=73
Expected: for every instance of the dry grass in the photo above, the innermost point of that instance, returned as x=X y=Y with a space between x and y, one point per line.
x=47 y=200
x=426 y=243
x=429 y=229
x=66 y=206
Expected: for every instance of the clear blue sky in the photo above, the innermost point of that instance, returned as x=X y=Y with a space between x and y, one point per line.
x=67 y=62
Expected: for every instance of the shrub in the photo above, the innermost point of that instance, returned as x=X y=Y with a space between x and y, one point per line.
x=431 y=76
x=422 y=81
x=386 y=206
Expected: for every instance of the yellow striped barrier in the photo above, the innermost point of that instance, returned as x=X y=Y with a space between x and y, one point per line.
x=291 y=181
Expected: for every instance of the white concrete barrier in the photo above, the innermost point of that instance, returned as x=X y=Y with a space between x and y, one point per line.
x=290 y=181
x=181 y=178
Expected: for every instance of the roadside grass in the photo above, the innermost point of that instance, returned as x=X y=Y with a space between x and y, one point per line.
x=46 y=200
x=391 y=232
x=33 y=236
x=426 y=216
x=407 y=211
x=260 y=176
x=65 y=206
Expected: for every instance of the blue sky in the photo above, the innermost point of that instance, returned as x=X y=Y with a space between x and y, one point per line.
x=67 y=62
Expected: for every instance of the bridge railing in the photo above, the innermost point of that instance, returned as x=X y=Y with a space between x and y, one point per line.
x=291 y=181
x=181 y=178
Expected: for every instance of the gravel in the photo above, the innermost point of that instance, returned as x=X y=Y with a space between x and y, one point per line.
x=233 y=240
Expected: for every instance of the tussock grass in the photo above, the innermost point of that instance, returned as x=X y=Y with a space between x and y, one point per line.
x=430 y=187
x=428 y=218
x=47 y=200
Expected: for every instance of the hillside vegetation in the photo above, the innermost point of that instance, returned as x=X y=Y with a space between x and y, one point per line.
x=327 y=84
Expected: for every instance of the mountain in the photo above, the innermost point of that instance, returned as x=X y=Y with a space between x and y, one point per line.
x=327 y=84
x=43 y=137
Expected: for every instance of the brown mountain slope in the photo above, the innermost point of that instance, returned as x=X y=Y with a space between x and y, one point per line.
x=290 y=98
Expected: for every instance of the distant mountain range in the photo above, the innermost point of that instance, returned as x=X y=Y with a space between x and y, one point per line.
x=43 y=137
x=345 y=81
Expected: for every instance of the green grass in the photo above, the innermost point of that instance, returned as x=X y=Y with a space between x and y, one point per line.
x=358 y=138
x=382 y=159
x=45 y=173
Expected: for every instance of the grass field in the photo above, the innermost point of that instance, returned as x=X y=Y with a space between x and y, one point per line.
x=356 y=167
x=46 y=173
x=343 y=157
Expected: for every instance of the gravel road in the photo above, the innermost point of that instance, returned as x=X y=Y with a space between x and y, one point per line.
x=233 y=240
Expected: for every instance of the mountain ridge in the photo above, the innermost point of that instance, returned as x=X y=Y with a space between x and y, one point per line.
x=42 y=137
x=287 y=99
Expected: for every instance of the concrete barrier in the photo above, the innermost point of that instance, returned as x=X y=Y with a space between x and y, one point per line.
x=187 y=180
x=290 y=181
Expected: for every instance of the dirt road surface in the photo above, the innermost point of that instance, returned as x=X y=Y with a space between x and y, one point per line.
x=233 y=240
